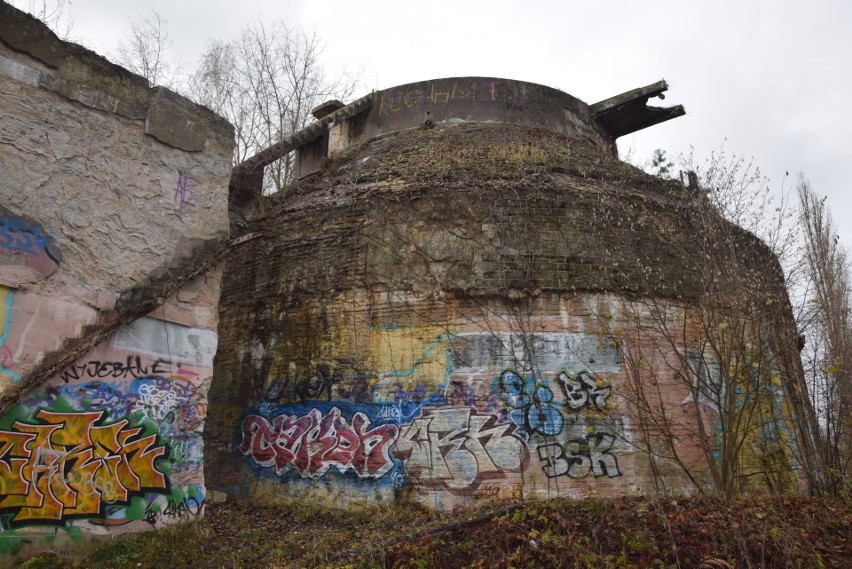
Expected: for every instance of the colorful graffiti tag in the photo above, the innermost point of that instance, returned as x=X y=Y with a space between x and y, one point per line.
x=27 y=253
x=173 y=405
x=21 y=236
x=71 y=465
x=442 y=445
x=578 y=457
x=531 y=405
x=453 y=416
x=457 y=447
x=536 y=413
x=313 y=443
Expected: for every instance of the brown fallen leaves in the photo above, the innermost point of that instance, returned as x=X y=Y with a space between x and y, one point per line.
x=624 y=532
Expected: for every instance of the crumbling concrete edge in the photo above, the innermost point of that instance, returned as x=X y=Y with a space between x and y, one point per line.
x=85 y=77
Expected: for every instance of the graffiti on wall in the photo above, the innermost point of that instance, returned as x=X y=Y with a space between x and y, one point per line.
x=185 y=192
x=156 y=403
x=532 y=408
x=67 y=465
x=327 y=383
x=443 y=416
x=583 y=391
x=174 y=405
x=584 y=446
x=313 y=443
x=180 y=505
x=27 y=252
x=132 y=367
x=475 y=352
x=457 y=447
x=578 y=457
x=18 y=235
x=442 y=92
x=102 y=450
x=114 y=434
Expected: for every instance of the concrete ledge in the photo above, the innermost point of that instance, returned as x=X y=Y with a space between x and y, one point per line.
x=171 y=122
x=81 y=75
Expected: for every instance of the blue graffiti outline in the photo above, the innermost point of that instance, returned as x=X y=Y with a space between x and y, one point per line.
x=347 y=410
x=533 y=408
x=42 y=243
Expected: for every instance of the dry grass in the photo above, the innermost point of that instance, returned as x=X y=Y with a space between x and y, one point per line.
x=765 y=532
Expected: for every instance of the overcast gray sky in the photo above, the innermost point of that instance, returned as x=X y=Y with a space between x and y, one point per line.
x=764 y=79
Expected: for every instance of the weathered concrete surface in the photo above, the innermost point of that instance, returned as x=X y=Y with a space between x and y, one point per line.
x=457 y=100
x=113 y=199
x=90 y=167
x=483 y=100
x=446 y=314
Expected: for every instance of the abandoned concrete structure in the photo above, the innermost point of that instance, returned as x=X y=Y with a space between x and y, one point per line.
x=465 y=296
x=469 y=297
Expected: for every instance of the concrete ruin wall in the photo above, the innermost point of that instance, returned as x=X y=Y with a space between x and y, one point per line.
x=449 y=401
x=461 y=313
x=110 y=191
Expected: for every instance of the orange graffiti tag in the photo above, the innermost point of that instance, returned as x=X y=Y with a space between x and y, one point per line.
x=71 y=465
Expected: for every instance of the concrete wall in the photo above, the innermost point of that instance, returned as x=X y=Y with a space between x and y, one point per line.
x=491 y=402
x=462 y=313
x=106 y=185
x=426 y=323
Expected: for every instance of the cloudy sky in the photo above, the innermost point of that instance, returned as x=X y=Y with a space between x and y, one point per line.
x=764 y=79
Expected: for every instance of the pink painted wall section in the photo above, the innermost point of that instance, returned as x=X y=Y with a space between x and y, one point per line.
x=33 y=325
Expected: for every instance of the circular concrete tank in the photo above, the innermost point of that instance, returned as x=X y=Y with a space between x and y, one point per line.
x=457 y=306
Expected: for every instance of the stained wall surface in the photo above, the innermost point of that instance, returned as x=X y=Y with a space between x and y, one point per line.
x=106 y=185
x=531 y=399
x=472 y=312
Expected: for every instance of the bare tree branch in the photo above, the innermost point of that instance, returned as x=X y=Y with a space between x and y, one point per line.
x=146 y=52
x=828 y=357
x=265 y=83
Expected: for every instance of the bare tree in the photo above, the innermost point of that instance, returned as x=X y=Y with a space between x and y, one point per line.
x=828 y=357
x=265 y=83
x=146 y=52
x=722 y=350
x=732 y=346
